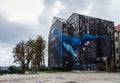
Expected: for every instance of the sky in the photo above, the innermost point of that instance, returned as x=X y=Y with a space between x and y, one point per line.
x=24 y=19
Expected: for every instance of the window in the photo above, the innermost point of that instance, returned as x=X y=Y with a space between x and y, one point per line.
x=87 y=28
x=83 y=27
x=75 y=20
x=116 y=50
x=117 y=61
x=116 y=38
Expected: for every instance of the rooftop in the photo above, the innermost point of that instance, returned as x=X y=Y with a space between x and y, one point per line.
x=117 y=28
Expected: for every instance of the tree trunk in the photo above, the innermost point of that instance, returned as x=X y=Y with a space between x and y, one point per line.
x=27 y=65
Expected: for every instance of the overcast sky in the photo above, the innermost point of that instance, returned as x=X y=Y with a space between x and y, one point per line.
x=23 y=19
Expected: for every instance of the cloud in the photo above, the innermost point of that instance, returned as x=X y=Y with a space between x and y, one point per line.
x=51 y=9
x=22 y=11
x=75 y=6
x=106 y=9
x=6 y=58
x=12 y=32
x=22 y=19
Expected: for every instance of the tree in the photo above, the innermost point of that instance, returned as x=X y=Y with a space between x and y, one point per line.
x=39 y=52
x=30 y=51
x=19 y=54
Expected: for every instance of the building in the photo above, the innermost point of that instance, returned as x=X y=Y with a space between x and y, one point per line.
x=55 y=59
x=117 y=45
x=93 y=52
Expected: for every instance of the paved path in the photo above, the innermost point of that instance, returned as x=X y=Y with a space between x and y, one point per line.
x=63 y=77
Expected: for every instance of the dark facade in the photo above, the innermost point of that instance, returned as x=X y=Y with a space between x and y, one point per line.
x=76 y=26
x=55 y=59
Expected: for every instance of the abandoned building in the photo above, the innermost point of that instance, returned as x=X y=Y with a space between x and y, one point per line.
x=92 y=54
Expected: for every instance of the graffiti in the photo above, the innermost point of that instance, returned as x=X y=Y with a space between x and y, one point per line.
x=70 y=49
x=72 y=44
x=80 y=40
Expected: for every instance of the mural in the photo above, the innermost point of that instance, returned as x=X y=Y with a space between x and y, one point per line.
x=72 y=44
x=79 y=40
x=55 y=45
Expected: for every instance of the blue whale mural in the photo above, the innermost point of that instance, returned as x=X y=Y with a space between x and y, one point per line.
x=72 y=44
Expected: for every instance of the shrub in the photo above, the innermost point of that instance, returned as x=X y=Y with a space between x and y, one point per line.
x=117 y=67
x=1 y=72
x=20 y=71
x=14 y=69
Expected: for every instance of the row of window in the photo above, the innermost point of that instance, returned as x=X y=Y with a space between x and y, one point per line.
x=117 y=50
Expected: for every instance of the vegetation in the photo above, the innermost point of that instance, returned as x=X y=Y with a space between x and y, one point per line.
x=1 y=72
x=117 y=67
x=30 y=54
x=16 y=70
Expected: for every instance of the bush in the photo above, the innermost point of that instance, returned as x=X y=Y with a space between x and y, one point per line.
x=17 y=70
x=1 y=72
x=20 y=71
x=13 y=69
x=117 y=67
x=44 y=69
